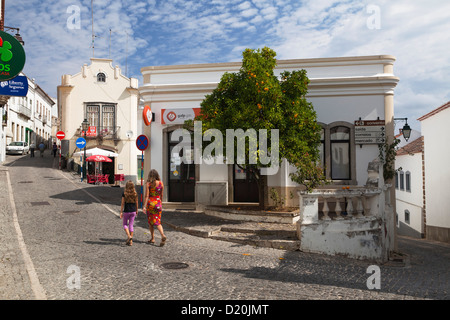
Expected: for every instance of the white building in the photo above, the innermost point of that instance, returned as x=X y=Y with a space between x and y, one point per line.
x=29 y=117
x=109 y=101
x=437 y=173
x=410 y=189
x=350 y=95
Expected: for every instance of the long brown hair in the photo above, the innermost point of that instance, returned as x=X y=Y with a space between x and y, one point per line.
x=130 y=193
x=153 y=176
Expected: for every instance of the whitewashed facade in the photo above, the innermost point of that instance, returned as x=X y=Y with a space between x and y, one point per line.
x=109 y=101
x=29 y=118
x=344 y=92
x=437 y=173
x=410 y=188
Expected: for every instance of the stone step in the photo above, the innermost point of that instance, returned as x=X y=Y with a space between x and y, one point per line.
x=285 y=242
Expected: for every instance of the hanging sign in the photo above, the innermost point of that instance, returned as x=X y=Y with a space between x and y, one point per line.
x=12 y=56
x=370 y=132
x=17 y=87
x=147 y=115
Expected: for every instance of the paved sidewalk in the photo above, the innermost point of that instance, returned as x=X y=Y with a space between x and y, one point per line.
x=425 y=274
x=14 y=281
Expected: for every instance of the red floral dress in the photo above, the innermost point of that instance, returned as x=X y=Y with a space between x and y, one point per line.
x=154 y=204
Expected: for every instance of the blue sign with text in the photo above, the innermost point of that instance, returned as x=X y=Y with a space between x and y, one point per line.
x=17 y=87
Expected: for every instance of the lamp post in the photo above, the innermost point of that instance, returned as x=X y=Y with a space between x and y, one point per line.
x=406 y=130
x=84 y=127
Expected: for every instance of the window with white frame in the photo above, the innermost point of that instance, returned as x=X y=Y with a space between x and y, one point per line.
x=402 y=180
x=408 y=181
x=102 y=116
x=407 y=217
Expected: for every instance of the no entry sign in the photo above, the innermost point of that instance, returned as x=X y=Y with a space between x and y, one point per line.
x=60 y=135
x=142 y=142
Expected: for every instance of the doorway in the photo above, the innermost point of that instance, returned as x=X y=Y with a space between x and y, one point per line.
x=245 y=186
x=181 y=174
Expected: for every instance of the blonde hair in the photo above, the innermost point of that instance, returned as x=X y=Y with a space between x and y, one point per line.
x=153 y=176
x=130 y=193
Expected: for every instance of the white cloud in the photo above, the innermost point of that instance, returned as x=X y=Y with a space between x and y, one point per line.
x=180 y=31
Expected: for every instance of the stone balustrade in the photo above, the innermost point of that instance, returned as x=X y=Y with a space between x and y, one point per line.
x=345 y=220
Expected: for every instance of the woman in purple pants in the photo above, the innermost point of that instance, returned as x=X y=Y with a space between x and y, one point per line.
x=128 y=210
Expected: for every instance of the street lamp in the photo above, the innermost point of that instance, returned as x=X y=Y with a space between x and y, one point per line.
x=17 y=35
x=406 y=130
x=84 y=127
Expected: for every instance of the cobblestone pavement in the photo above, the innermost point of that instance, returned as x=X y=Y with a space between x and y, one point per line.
x=76 y=243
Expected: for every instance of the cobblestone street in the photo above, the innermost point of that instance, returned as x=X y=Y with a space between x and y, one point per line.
x=76 y=245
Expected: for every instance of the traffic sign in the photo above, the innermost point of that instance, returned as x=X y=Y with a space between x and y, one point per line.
x=81 y=142
x=142 y=142
x=60 y=135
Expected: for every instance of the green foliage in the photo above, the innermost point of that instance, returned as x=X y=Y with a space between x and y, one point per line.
x=256 y=98
x=387 y=154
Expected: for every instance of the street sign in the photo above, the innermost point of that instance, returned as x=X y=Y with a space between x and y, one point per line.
x=81 y=142
x=142 y=142
x=60 y=135
x=17 y=87
x=370 y=132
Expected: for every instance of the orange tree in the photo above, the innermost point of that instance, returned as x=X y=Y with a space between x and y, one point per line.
x=255 y=98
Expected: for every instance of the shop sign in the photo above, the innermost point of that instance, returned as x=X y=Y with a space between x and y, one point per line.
x=17 y=87
x=178 y=116
x=12 y=56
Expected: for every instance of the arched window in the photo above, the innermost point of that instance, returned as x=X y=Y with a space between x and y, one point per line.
x=101 y=77
x=337 y=152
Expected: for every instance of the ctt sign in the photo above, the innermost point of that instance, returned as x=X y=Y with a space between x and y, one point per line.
x=12 y=56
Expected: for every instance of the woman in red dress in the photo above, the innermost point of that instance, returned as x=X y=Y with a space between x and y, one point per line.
x=153 y=205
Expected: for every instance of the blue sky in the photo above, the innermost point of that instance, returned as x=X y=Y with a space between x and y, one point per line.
x=166 y=32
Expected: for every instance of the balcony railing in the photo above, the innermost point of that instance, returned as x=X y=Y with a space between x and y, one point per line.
x=24 y=111
x=110 y=132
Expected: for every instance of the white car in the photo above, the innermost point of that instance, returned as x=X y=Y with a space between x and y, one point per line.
x=17 y=147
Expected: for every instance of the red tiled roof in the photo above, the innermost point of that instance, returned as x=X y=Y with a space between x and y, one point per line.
x=415 y=146
x=437 y=110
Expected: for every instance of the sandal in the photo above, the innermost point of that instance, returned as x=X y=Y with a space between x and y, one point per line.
x=129 y=241
x=163 y=241
x=151 y=241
